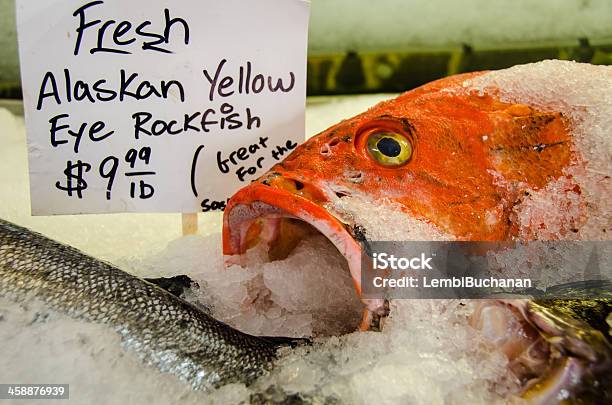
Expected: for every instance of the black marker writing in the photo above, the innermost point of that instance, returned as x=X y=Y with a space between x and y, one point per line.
x=211 y=205
x=143 y=156
x=224 y=119
x=127 y=87
x=122 y=35
x=75 y=181
x=240 y=154
x=132 y=156
x=94 y=132
x=108 y=170
x=217 y=115
x=194 y=164
x=279 y=151
x=146 y=190
x=247 y=83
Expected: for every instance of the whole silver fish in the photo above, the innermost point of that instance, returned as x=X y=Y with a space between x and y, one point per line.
x=160 y=328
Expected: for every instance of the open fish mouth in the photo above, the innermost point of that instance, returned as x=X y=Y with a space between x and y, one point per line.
x=279 y=212
x=554 y=356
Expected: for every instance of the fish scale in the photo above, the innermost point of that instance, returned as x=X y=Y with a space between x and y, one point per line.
x=519 y=154
x=161 y=329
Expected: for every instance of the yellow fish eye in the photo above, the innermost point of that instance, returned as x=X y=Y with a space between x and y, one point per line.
x=389 y=148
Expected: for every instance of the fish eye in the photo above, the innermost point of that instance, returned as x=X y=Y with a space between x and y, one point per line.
x=389 y=148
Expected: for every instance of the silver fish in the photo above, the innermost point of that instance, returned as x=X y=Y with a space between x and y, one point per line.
x=160 y=328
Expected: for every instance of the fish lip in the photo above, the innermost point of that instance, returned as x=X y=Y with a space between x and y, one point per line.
x=280 y=203
x=259 y=200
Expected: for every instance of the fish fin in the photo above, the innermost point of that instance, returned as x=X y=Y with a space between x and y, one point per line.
x=174 y=285
x=287 y=341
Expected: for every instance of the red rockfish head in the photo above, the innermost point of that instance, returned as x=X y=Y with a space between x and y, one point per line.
x=447 y=161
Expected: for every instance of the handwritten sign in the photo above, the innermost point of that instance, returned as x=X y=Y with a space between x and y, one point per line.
x=158 y=105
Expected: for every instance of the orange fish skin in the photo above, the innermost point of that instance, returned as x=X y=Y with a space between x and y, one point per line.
x=475 y=160
x=462 y=142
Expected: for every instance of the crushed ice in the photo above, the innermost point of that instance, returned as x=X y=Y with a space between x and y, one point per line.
x=41 y=346
x=310 y=293
x=427 y=352
x=583 y=93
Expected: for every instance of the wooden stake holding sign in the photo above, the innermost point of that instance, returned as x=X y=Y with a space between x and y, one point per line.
x=190 y=224
x=158 y=105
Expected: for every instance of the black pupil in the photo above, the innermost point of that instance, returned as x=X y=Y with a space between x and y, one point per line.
x=389 y=147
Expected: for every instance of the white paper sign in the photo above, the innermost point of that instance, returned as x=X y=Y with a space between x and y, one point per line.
x=158 y=105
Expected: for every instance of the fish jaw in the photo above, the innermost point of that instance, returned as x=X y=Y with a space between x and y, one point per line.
x=254 y=214
x=557 y=358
